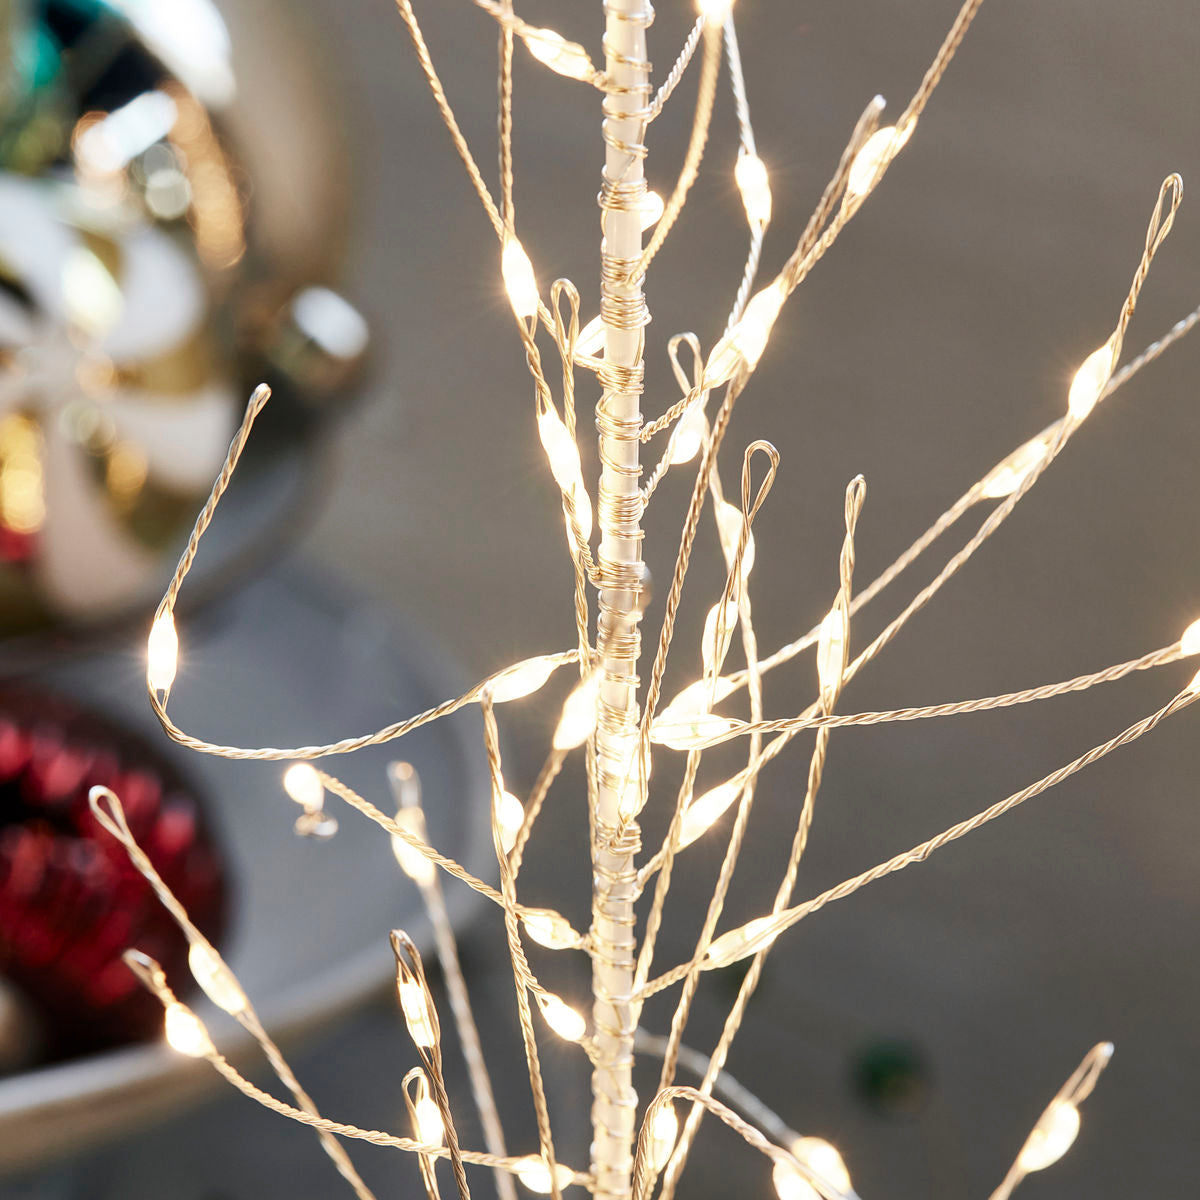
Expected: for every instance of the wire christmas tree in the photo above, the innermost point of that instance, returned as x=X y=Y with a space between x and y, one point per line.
x=619 y=723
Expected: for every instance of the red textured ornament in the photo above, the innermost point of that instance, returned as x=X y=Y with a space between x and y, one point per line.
x=70 y=901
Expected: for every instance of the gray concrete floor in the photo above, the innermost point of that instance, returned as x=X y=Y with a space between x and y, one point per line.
x=939 y=333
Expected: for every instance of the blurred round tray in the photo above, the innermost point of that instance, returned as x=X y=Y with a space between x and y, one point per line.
x=292 y=660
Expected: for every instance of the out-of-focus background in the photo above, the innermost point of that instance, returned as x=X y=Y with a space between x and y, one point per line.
x=922 y=1024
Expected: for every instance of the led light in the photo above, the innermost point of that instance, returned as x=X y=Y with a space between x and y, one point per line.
x=562 y=1018
x=824 y=1159
x=519 y=280
x=729 y=529
x=831 y=654
x=579 y=713
x=412 y=862
x=1051 y=1137
x=566 y=58
x=563 y=455
x=714 y=11
x=549 y=929
x=738 y=943
x=427 y=1117
x=1091 y=379
x=416 y=1013
x=1006 y=477
x=714 y=654
x=791 y=1184
x=878 y=150
x=691 y=733
x=706 y=810
x=533 y=1172
x=751 y=176
x=653 y=207
x=510 y=816
x=162 y=653
x=185 y=1032
x=591 y=337
x=664 y=1129
x=1189 y=644
x=694 y=700
x=523 y=679
x=304 y=785
x=688 y=436
x=747 y=340
x=216 y=980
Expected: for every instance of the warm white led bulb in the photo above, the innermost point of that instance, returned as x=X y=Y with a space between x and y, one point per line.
x=707 y=809
x=831 y=653
x=533 y=1172
x=664 y=1130
x=751 y=176
x=303 y=784
x=216 y=980
x=519 y=280
x=510 y=816
x=412 y=862
x=738 y=943
x=1006 y=477
x=691 y=733
x=729 y=529
x=523 y=679
x=162 y=653
x=566 y=1021
x=1091 y=379
x=714 y=648
x=878 y=150
x=695 y=700
x=416 y=1013
x=566 y=58
x=185 y=1031
x=747 y=340
x=714 y=11
x=688 y=436
x=427 y=1117
x=549 y=929
x=1051 y=1137
x=579 y=713
x=563 y=455
x=653 y=207
x=591 y=337
x=1189 y=644
x=791 y=1184
x=822 y=1157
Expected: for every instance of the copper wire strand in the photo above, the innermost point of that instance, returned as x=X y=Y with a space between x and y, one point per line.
x=854 y=499
x=737 y=83
x=678 y=68
x=364 y=806
x=1046 y=691
x=919 y=853
x=566 y=334
x=460 y=1001
x=110 y=813
x=1077 y=1088
x=710 y=66
x=725 y=1087
x=965 y=502
x=409 y=967
x=862 y=130
x=505 y=118
x=522 y=975
x=425 y=1161
x=643 y=1181
x=746 y=798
